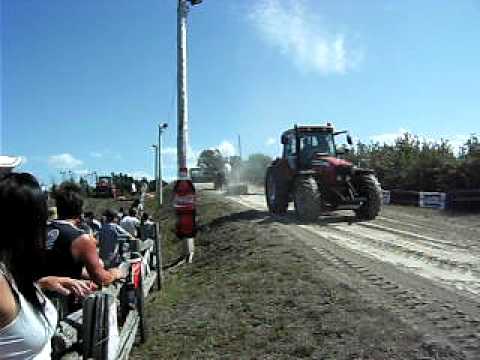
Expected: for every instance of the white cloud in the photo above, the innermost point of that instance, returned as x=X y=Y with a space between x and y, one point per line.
x=290 y=26
x=270 y=141
x=169 y=156
x=24 y=160
x=457 y=141
x=227 y=148
x=172 y=153
x=64 y=161
x=388 y=138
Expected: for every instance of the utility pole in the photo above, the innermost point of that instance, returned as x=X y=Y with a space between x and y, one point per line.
x=182 y=98
x=184 y=188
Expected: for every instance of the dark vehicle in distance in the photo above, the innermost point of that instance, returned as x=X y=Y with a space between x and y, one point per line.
x=205 y=176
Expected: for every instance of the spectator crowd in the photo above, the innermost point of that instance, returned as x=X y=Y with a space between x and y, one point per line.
x=46 y=253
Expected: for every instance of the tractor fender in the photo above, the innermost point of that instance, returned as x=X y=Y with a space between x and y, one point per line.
x=362 y=171
x=283 y=170
x=305 y=173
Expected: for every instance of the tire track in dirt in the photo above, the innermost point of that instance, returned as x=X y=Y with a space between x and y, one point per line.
x=442 y=315
x=426 y=281
x=438 y=260
x=459 y=236
x=459 y=269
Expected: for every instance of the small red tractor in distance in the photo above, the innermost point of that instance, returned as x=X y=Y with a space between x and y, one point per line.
x=311 y=174
x=105 y=187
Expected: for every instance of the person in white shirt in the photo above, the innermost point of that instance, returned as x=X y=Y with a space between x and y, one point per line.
x=27 y=318
x=131 y=223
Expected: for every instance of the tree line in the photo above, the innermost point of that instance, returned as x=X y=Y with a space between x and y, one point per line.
x=411 y=163
x=122 y=182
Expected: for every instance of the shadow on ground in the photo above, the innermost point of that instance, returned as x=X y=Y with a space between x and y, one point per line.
x=263 y=217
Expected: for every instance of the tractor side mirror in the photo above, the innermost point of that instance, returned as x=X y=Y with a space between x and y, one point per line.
x=349 y=140
x=342 y=150
x=284 y=140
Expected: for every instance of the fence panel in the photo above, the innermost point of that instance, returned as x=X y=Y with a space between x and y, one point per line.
x=95 y=327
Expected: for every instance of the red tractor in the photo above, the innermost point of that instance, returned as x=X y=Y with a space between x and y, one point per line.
x=311 y=174
x=105 y=187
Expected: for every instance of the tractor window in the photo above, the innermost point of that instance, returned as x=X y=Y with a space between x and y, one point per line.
x=317 y=143
x=291 y=146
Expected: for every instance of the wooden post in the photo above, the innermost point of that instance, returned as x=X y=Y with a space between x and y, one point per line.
x=158 y=254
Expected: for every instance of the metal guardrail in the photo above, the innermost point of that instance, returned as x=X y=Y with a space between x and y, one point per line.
x=93 y=332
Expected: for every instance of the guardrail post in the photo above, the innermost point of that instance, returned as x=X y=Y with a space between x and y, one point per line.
x=158 y=255
x=100 y=331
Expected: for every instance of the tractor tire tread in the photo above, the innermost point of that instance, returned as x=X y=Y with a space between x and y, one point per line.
x=370 y=187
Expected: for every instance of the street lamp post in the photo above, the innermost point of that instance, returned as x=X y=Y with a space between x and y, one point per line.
x=161 y=128
x=155 y=149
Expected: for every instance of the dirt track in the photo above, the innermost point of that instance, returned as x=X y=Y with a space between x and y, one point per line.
x=419 y=264
x=264 y=287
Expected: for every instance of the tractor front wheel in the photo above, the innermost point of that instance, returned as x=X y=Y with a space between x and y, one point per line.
x=307 y=199
x=369 y=187
x=276 y=192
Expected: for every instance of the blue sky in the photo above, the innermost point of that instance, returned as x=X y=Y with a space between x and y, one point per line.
x=84 y=83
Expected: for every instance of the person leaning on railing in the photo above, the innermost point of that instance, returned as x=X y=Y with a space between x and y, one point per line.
x=147 y=227
x=27 y=317
x=131 y=222
x=109 y=237
x=69 y=249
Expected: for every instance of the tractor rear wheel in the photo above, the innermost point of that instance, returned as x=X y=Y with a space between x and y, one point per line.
x=307 y=198
x=276 y=192
x=369 y=187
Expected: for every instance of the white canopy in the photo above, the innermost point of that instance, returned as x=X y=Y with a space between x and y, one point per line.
x=9 y=162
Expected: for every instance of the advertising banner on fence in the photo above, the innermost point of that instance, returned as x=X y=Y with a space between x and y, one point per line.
x=386 y=197
x=435 y=200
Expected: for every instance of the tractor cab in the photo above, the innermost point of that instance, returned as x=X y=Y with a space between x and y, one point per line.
x=303 y=145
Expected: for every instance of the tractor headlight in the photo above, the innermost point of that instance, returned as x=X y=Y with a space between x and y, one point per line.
x=339 y=178
x=348 y=178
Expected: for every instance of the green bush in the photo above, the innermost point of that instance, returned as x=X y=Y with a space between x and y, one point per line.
x=414 y=164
